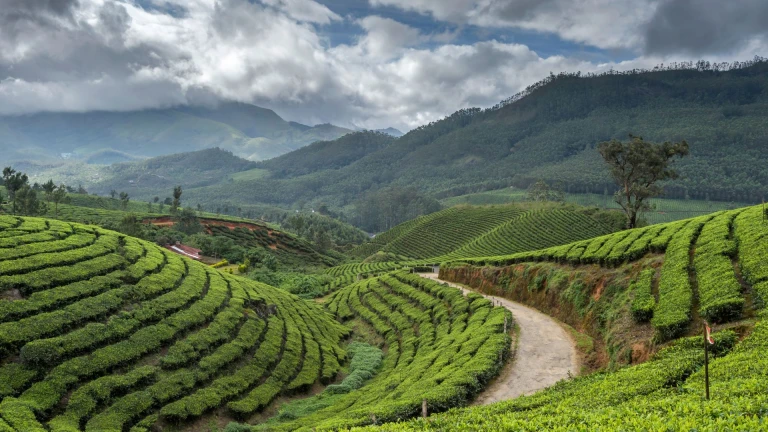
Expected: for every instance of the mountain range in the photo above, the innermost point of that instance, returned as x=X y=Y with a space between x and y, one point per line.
x=250 y=132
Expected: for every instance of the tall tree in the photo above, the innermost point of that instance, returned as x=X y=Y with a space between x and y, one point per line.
x=59 y=196
x=14 y=181
x=637 y=166
x=176 y=199
x=124 y=199
x=187 y=222
x=113 y=193
x=48 y=188
x=26 y=203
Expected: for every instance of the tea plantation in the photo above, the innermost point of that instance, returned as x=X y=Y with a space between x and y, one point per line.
x=713 y=269
x=103 y=332
x=470 y=231
x=442 y=348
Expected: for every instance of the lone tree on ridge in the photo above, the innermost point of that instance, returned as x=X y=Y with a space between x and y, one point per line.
x=637 y=166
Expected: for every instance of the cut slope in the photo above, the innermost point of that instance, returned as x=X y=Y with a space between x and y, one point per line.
x=99 y=331
x=703 y=257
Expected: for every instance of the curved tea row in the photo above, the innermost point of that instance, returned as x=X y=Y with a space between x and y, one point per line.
x=103 y=332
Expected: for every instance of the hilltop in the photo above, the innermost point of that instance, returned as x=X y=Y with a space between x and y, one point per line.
x=249 y=131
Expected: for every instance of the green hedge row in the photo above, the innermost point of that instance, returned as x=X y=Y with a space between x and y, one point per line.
x=643 y=302
x=72 y=242
x=673 y=312
x=720 y=296
x=105 y=244
x=52 y=277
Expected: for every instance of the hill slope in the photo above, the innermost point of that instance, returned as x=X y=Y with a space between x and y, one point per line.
x=709 y=268
x=551 y=133
x=105 y=332
x=247 y=130
x=632 y=291
x=470 y=231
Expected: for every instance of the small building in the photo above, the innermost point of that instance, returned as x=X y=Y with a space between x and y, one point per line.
x=187 y=251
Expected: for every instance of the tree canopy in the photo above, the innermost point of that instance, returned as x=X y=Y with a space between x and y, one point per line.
x=637 y=167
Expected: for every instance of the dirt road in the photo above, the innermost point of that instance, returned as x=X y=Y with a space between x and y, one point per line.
x=545 y=353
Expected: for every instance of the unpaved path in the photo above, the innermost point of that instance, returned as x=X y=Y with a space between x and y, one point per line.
x=545 y=353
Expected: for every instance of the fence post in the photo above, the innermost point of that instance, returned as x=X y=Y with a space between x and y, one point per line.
x=424 y=408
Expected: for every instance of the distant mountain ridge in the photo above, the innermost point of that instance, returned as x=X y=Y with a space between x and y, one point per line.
x=249 y=131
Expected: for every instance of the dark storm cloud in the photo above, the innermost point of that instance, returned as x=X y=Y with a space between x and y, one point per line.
x=703 y=27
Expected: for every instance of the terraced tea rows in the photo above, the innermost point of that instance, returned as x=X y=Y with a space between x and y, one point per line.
x=607 y=250
x=532 y=230
x=112 y=333
x=438 y=233
x=347 y=274
x=450 y=230
x=665 y=393
x=702 y=258
x=380 y=241
x=467 y=232
x=705 y=259
x=442 y=347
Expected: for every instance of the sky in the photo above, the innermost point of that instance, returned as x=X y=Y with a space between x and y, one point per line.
x=355 y=63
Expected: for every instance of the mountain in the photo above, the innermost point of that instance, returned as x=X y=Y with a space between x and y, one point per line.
x=248 y=131
x=550 y=132
x=391 y=131
x=327 y=155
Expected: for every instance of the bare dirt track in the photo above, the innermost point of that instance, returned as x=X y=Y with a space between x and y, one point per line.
x=545 y=354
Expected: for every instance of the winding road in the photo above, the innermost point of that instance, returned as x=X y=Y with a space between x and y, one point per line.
x=545 y=353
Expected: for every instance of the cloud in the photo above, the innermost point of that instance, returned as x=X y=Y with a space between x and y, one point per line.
x=599 y=23
x=705 y=27
x=305 y=10
x=385 y=37
x=129 y=54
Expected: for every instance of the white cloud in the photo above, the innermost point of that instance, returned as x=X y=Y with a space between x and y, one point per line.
x=305 y=10
x=385 y=38
x=600 y=23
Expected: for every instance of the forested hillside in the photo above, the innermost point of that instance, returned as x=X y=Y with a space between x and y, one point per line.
x=550 y=132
